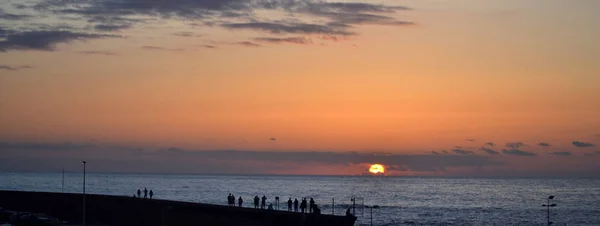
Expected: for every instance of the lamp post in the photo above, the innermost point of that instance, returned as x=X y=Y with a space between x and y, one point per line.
x=548 y=206
x=83 y=163
x=372 y=207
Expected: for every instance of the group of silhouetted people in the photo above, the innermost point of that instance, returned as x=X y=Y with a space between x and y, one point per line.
x=263 y=202
x=139 y=194
x=305 y=206
x=231 y=200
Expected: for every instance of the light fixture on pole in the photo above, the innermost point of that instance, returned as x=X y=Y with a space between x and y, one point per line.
x=83 y=220
x=548 y=206
x=372 y=207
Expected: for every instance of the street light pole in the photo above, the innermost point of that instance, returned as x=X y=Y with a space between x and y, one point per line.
x=372 y=207
x=548 y=208
x=83 y=163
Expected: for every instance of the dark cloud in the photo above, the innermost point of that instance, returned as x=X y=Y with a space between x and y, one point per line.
x=518 y=152
x=331 y=19
x=158 y=48
x=136 y=158
x=290 y=40
x=489 y=151
x=97 y=52
x=288 y=28
x=445 y=152
x=273 y=138
x=186 y=34
x=347 y=14
x=111 y=27
x=580 y=144
x=543 y=144
x=470 y=140
x=435 y=152
x=490 y=144
x=13 y=68
x=463 y=152
x=45 y=40
x=514 y=144
x=248 y=44
x=357 y=7
x=562 y=153
x=10 y=16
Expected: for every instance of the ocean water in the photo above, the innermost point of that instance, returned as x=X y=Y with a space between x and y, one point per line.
x=401 y=201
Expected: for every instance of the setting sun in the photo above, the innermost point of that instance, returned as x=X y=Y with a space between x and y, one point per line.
x=376 y=169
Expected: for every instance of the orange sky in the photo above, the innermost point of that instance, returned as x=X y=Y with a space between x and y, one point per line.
x=493 y=71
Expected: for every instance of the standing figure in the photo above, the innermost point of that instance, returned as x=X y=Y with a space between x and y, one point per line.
x=263 y=204
x=139 y=193
x=240 y=201
x=256 y=200
x=290 y=204
x=303 y=205
x=295 y=205
x=151 y=194
x=145 y=193
x=311 y=205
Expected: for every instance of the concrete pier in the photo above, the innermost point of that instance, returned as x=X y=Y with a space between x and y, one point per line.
x=129 y=211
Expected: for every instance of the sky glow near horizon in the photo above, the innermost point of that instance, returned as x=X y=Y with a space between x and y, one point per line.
x=432 y=87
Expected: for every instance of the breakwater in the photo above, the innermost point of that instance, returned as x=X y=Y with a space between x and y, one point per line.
x=129 y=211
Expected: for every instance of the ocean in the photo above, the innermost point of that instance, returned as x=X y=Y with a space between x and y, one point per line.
x=400 y=200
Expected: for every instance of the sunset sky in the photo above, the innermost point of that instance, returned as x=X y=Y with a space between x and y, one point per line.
x=425 y=87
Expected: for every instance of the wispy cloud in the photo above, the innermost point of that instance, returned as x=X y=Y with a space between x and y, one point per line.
x=518 y=152
x=44 y=40
x=289 y=28
x=187 y=34
x=9 y=16
x=490 y=144
x=463 y=152
x=13 y=68
x=580 y=144
x=207 y=46
x=158 y=48
x=543 y=144
x=247 y=44
x=515 y=144
x=98 y=52
x=489 y=151
x=290 y=40
x=111 y=27
x=561 y=153
x=470 y=140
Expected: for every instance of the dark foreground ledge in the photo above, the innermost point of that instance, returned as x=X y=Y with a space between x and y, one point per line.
x=129 y=211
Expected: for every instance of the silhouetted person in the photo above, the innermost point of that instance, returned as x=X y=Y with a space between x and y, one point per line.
x=263 y=204
x=295 y=205
x=145 y=193
x=311 y=205
x=240 y=201
x=290 y=204
x=229 y=199
x=256 y=200
x=348 y=214
x=139 y=193
x=270 y=206
x=233 y=200
x=303 y=205
x=316 y=209
x=151 y=194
